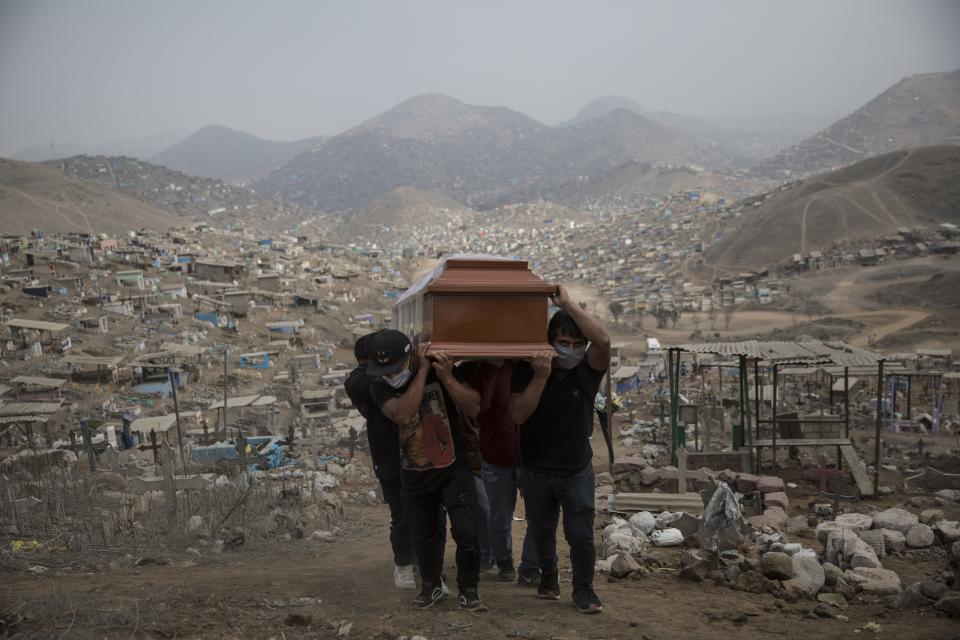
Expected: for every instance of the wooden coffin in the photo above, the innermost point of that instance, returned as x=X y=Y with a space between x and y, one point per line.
x=478 y=308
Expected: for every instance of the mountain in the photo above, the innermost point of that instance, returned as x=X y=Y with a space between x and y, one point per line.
x=407 y=206
x=34 y=196
x=864 y=201
x=227 y=154
x=918 y=111
x=141 y=147
x=221 y=204
x=481 y=156
x=602 y=106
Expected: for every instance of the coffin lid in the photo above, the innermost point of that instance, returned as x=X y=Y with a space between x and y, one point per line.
x=479 y=273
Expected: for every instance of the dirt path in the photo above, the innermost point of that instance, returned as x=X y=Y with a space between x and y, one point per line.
x=237 y=594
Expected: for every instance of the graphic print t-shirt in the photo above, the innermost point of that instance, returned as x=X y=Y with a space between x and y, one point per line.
x=432 y=444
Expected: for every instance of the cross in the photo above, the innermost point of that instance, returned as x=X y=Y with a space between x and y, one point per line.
x=153 y=446
x=681 y=454
x=920 y=447
x=206 y=432
x=88 y=444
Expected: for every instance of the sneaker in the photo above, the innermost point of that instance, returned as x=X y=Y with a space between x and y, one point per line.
x=403 y=577
x=428 y=597
x=506 y=572
x=470 y=601
x=549 y=588
x=443 y=586
x=528 y=577
x=486 y=565
x=586 y=601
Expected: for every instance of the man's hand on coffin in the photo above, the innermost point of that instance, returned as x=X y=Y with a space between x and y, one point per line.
x=443 y=365
x=561 y=297
x=541 y=362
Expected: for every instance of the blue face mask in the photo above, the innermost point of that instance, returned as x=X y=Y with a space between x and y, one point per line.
x=569 y=357
x=399 y=379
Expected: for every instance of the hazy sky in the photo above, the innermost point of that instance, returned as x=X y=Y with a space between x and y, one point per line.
x=89 y=71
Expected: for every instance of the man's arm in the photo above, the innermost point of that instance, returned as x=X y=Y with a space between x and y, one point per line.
x=403 y=409
x=523 y=404
x=463 y=395
x=598 y=355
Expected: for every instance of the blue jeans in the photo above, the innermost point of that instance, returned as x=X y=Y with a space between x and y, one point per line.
x=483 y=517
x=501 y=486
x=544 y=495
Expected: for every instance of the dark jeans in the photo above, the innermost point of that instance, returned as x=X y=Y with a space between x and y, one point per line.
x=501 y=486
x=403 y=552
x=483 y=517
x=543 y=496
x=422 y=506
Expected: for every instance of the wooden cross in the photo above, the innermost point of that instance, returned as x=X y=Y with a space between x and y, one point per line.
x=152 y=446
x=206 y=431
x=681 y=454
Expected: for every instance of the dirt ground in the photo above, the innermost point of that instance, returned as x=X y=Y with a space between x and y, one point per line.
x=314 y=589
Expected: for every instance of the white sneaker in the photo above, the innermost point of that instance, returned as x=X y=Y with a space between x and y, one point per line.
x=443 y=587
x=403 y=577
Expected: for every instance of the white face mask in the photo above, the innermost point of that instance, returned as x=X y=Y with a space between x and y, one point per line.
x=399 y=379
x=569 y=357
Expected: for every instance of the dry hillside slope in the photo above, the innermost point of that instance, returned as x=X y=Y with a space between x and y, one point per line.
x=406 y=206
x=35 y=197
x=872 y=198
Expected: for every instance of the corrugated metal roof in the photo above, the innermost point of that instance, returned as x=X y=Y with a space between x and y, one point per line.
x=16 y=419
x=38 y=325
x=50 y=383
x=244 y=401
x=157 y=423
x=809 y=352
x=28 y=408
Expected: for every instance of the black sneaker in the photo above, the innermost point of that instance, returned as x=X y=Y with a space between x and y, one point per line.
x=549 y=588
x=428 y=596
x=528 y=577
x=470 y=601
x=486 y=565
x=506 y=572
x=586 y=601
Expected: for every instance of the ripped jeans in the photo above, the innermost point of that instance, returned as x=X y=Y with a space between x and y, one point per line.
x=457 y=493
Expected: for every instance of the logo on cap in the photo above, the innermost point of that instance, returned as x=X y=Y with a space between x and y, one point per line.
x=383 y=357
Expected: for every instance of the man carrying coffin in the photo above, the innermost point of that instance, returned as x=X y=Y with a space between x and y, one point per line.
x=552 y=401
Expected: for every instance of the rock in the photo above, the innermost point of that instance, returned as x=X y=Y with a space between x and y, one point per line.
x=920 y=536
x=934 y=589
x=874 y=538
x=949 y=604
x=885 y=491
x=913 y=598
x=809 y=576
x=693 y=567
x=822 y=611
x=298 y=620
x=603 y=478
x=855 y=520
x=773 y=517
x=729 y=476
x=644 y=522
x=798 y=526
x=649 y=476
x=776 y=565
x=667 y=538
x=825 y=529
x=846 y=549
x=752 y=582
x=823 y=509
x=893 y=541
x=947 y=531
x=767 y=540
x=790 y=549
x=770 y=484
x=831 y=573
x=665 y=519
x=833 y=599
x=627 y=541
x=777 y=499
x=877 y=581
x=931 y=516
x=896 y=519
x=687 y=524
x=746 y=483
x=623 y=565
x=628 y=464
x=952 y=495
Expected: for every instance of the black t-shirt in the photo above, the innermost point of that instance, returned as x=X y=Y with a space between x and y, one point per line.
x=432 y=446
x=556 y=437
x=382 y=434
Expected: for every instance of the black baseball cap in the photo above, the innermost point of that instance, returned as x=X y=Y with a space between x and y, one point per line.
x=361 y=348
x=388 y=350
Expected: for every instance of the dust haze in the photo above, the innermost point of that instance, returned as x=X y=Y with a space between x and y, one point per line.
x=94 y=73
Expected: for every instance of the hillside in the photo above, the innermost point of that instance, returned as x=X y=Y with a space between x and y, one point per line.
x=601 y=106
x=214 y=201
x=482 y=156
x=867 y=200
x=227 y=154
x=37 y=197
x=406 y=206
x=918 y=111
